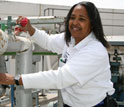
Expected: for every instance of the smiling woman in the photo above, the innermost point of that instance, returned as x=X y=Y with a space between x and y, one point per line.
x=84 y=76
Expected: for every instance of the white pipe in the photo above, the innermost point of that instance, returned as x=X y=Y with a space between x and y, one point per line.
x=10 y=44
x=24 y=66
x=48 y=62
x=3 y=42
x=18 y=44
x=23 y=47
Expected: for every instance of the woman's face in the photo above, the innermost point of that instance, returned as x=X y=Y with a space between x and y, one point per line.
x=79 y=23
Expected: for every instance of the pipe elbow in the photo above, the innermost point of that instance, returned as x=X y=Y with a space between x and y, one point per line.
x=3 y=42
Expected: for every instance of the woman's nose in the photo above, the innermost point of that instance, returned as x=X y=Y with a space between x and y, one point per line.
x=75 y=22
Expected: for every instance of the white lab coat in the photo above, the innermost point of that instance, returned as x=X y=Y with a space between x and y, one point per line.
x=84 y=79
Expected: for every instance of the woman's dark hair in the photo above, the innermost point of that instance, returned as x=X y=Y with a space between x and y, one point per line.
x=95 y=21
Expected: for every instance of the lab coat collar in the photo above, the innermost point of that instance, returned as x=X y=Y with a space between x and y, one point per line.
x=83 y=42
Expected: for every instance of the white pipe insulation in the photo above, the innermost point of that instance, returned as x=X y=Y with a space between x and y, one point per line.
x=9 y=43
x=23 y=47
x=3 y=42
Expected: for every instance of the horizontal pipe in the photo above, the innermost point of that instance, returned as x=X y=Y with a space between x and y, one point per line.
x=10 y=43
x=34 y=53
x=18 y=44
x=40 y=20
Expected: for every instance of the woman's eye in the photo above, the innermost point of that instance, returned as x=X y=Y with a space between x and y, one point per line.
x=72 y=18
x=82 y=19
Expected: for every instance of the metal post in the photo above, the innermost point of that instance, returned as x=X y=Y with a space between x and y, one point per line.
x=60 y=100
x=43 y=91
x=37 y=99
x=24 y=66
x=35 y=59
x=12 y=96
x=9 y=25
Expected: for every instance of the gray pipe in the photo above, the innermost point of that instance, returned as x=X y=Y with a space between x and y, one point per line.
x=24 y=66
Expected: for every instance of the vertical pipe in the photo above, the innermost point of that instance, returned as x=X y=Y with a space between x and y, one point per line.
x=48 y=12
x=9 y=25
x=44 y=12
x=36 y=92
x=52 y=12
x=12 y=96
x=43 y=91
x=24 y=66
x=37 y=98
x=60 y=100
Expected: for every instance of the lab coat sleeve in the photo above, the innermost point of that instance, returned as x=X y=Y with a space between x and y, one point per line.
x=53 y=79
x=83 y=67
x=53 y=42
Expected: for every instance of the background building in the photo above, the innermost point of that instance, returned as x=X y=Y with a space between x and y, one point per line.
x=112 y=19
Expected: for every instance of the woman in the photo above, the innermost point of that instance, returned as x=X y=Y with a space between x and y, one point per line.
x=84 y=76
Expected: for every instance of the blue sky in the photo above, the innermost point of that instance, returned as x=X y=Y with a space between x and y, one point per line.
x=113 y=4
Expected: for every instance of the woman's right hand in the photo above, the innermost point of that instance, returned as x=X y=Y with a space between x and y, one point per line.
x=26 y=26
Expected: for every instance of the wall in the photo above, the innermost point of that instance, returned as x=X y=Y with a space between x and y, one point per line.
x=15 y=9
x=112 y=19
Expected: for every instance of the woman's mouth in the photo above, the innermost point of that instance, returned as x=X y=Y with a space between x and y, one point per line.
x=76 y=28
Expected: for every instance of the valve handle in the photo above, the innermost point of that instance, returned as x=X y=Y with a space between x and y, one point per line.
x=24 y=22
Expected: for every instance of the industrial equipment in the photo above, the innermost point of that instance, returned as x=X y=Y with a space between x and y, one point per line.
x=116 y=55
x=21 y=48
